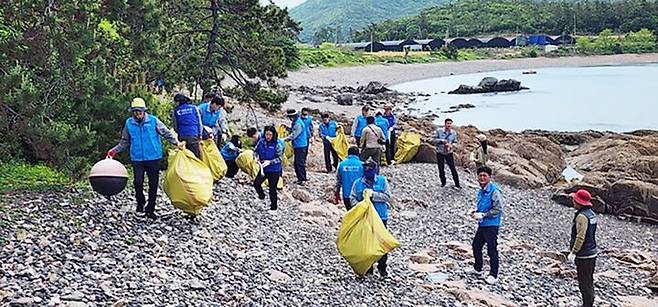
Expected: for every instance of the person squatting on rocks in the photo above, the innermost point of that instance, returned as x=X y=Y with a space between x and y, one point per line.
x=186 y=118
x=299 y=139
x=390 y=144
x=372 y=141
x=347 y=173
x=583 y=244
x=445 y=139
x=328 y=129
x=308 y=123
x=358 y=124
x=230 y=152
x=481 y=154
x=213 y=118
x=268 y=153
x=141 y=134
x=382 y=123
x=488 y=212
x=376 y=187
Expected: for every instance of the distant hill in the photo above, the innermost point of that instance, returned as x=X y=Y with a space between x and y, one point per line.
x=314 y=15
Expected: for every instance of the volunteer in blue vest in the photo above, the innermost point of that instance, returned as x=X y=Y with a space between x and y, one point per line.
x=390 y=145
x=299 y=139
x=382 y=123
x=359 y=123
x=445 y=140
x=141 y=135
x=230 y=152
x=268 y=153
x=308 y=122
x=347 y=173
x=376 y=187
x=187 y=123
x=213 y=118
x=488 y=212
x=583 y=244
x=327 y=133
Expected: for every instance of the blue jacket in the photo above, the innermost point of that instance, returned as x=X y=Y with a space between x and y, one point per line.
x=270 y=151
x=379 y=186
x=186 y=120
x=382 y=123
x=308 y=123
x=489 y=201
x=390 y=119
x=359 y=123
x=230 y=152
x=348 y=171
x=301 y=140
x=145 y=144
x=328 y=130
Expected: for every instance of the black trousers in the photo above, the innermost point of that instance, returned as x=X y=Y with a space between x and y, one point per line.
x=300 y=163
x=330 y=153
x=489 y=236
x=272 y=181
x=390 y=148
x=374 y=153
x=348 y=203
x=450 y=160
x=191 y=143
x=585 y=273
x=152 y=170
x=232 y=168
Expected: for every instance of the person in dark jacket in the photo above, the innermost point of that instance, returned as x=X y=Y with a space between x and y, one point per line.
x=299 y=138
x=141 y=135
x=488 y=212
x=187 y=123
x=390 y=145
x=583 y=249
x=268 y=153
x=328 y=132
x=230 y=152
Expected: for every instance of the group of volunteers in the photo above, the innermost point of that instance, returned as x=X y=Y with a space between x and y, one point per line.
x=357 y=176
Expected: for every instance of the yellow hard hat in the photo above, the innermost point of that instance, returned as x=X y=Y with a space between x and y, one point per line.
x=138 y=104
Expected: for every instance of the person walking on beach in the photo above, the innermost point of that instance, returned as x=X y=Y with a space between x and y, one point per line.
x=213 y=118
x=488 y=212
x=268 y=153
x=390 y=144
x=359 y=123
x=583 y=249
x=376 y=187
x=481 y=154
x=308 y=123
x=299 y=139
x=445 y=139
x=141 y=135
x=372 y=141
x=186 y=118
x=327 y=132
x=347 y=173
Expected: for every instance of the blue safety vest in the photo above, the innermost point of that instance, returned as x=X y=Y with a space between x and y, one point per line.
x=349 y=171
x=145 y=144
x=187 y=120
x=378 y=186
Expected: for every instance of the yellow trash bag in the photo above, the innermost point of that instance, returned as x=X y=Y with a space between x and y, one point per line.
x=282 y=132
x=339 y=143
x=188 y=182
x=279 y=185
x=362 y=237
x=247 y=163
x=407 y=147
x=213 y=159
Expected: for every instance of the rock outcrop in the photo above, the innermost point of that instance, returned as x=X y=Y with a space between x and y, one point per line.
x=490 y=85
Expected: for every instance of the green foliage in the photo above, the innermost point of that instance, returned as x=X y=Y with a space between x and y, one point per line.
x=608 y=43
x=17 y=176
x=329 y=56
x=530 y=52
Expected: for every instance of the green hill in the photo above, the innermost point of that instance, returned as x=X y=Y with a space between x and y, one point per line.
x=351 y=15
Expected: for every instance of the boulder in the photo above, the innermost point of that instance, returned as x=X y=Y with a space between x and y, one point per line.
x=345 y=99
x=426 y=154
x=490 y=85
x=488 y=82
x=374 y=87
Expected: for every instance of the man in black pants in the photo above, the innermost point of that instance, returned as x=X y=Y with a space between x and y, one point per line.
x=445 y=139
x=583 y=244
x=299 y=138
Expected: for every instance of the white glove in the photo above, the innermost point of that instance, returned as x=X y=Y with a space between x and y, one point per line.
x=571 y=258
x=478 y=216
x=368 y=193
x=265 y=163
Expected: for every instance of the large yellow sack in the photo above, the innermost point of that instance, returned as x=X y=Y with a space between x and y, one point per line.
x=279 y=185
x=188 y=182
x=339 y=143
x=282 y=132
x=407 y=147
x=247 y=163
x=213 y=159
x=362 y=237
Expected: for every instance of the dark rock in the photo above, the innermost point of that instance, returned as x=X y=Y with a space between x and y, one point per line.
x=374 y=87
x=488 y=82
x=426 y=154
x=490 y=85
x=345 y=99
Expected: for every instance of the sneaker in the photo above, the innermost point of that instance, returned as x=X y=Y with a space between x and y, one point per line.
x=140 y=209
x=477 y=273
x=383 y=273
x=369 y=272
x=491 y=280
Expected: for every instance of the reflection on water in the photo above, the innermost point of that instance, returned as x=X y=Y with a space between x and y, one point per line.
x=615 y=98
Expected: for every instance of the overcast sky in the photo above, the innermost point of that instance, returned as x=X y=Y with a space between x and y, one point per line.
x=288 y=3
